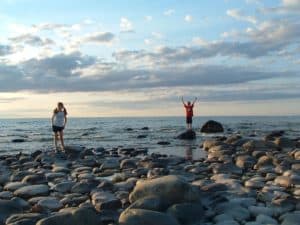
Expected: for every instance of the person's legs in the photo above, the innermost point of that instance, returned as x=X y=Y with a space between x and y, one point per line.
x=55 y=137
x=61 y=136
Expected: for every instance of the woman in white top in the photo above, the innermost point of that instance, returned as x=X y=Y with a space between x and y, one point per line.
x=59 y=121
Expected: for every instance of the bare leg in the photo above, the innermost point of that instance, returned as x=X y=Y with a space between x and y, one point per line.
x=61 y=135
x=55 y=140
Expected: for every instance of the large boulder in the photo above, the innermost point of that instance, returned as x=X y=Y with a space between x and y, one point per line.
x=145 y=217
x=212 y=126
x=187 y=135
x=77 y=216
x=172 y=188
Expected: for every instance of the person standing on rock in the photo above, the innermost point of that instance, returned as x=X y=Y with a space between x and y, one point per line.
x=189 y=112
x=59 y=121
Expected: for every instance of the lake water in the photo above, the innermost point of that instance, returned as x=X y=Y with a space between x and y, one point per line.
x=112 y=132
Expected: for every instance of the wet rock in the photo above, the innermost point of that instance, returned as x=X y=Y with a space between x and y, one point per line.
x=258 y=145
x=32 y=190
x=74 y=199
x=145 y=217
x=18 y=140
x=187 y=135
x=264 y=219
x=207 y=144
x=6 y=195
x=163 y=143
x=141 y=136
x=212 y=126
x=77 y=216
x=151 y=203
x=171 y=187
x=284 y=142
x=187 y=213
x=145 y=128
x=81 y=187
x=227 y=168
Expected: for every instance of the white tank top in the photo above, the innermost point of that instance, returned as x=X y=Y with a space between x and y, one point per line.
x=59 y=119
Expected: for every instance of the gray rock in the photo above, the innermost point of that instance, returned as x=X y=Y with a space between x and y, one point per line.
x=35 y=179
x=151 y=203
x=212 y=126
x=7 y=208
x=128 y=164
x=12 y=186
x=292 y=218
x=245 y=161
x=77 y=216
x=171 y=187
x=145 y=217
x=229 y=168
x=24 y=219
x=50 y=203
x=110 y=163
x=6 y=195
x=32 y=191
x=187 y=135
x=64 y=187
x=264 y=219
x=105 y=200
x=187 y=213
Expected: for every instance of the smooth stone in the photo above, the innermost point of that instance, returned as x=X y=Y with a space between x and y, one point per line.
x=284 y=142
x=105 y=200
x=171 y=187
x=187 y=213
x=187 y=135
x=245 y=161
x=207 y=144
x=292 y=218
x=8 y=208
x=227 y=168
x=12 y=186
x=264 y=219
x=256 y=210
x=64 y=187
x=283 y=181
x=6 y=195
x=74 y=199
x=24 y=219
x=77 y=216
x=32 y=191
x=52 y=176
x=258 y=145
x=50 y=203
x=81 y=188
x=212 y=126
x=255 y=182
x=238 y=212
x=34 y=179
x=145 y=217
x=264 y=161
x=153 y=203
x=110 y=163
x=128 y=164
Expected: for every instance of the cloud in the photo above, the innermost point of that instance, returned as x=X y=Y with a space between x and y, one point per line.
x=5 y=50
x=99 y=37
x=148 y=18
x=10 y=99
x=188 y=18
x=286 y=7
x=239 y=15
x=126 y=25
x=169 y=12
x=32 y=40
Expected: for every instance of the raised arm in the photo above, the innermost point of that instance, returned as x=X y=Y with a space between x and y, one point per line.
x=182 y=100
x=194 y=100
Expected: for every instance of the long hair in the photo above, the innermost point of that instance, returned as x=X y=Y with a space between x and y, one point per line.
x=60 y=105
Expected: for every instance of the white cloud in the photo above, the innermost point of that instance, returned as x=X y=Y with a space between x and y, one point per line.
x=148 y=18
x=169 y=12
x=99 y=37
x=126 y=25
x=188 y=18
x=291 y=3
x=199 y=41
x=148 y=41
x=157 y=35
x=239 y=15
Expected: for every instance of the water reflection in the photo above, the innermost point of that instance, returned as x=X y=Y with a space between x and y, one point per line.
x=189 y=153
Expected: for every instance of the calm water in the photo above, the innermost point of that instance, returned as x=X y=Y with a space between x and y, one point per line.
x=111 y=132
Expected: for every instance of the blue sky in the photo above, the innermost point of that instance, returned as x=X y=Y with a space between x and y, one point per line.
x=123 y=58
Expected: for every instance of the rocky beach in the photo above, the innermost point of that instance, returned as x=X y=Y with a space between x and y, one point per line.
x=242 y=181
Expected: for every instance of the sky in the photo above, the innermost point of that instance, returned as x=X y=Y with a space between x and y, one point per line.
x=138 y=57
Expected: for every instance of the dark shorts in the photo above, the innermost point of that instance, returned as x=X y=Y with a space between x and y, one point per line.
x=57 y=129
x=189 y=119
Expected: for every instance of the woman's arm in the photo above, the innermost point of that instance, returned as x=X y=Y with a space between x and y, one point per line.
x=65 y=120
x=194 y=100
x=52 y=119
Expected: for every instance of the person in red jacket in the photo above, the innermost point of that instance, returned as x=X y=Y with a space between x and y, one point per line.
x=189 y=112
